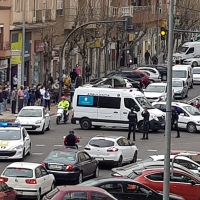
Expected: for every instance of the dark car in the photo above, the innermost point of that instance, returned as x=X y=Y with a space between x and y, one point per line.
x=162 y=70
x=127 y=189
x=78 y=193
x=6 y=192
x=68 y=164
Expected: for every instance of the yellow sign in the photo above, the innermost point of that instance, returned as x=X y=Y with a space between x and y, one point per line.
x=163 y=23
x=131 y=37
x=16 y=51
x=96 y=44
x=4 y=143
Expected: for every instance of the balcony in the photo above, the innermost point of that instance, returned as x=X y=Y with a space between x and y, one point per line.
x=5 y=49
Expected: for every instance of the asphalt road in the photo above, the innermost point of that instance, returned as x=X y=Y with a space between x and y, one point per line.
x=42 y=145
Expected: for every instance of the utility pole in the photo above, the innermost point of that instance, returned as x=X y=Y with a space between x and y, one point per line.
x=23 y=42
x=158 y=30
x=166 y=180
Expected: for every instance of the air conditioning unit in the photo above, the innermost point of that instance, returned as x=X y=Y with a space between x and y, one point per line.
x=34 y=19
x=43 y=18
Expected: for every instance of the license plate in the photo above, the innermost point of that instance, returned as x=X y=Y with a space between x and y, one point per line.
x=20 y=193
x=100 y=159
x=27 y=126
x=55 y=167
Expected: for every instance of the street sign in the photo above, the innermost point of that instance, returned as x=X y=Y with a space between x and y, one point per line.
x=131 y=37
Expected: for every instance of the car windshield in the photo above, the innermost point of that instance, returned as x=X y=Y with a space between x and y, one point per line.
x=196 y=70
x=62 y=156
x=10 y=134
x=192 y=110
x=18 y=172
x=153 y=88
x=182 y=49
x=101 y=143
x=178 y=74
x=143 y=102
x=31 y=113
x=177 y=84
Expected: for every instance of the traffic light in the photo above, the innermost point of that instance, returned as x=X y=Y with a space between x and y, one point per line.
x=163 y=33
x=128 y=26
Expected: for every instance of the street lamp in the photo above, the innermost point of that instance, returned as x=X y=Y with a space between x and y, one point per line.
x=173 y=160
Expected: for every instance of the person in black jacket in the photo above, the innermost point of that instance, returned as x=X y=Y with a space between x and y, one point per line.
x=174 y=122
x=132 y=117
x=1 y=102
x=145 y=115
x=38 y=96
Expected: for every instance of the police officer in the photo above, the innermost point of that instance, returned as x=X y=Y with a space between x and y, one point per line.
x=145 y=114
x=132 y=117
x=174 y=122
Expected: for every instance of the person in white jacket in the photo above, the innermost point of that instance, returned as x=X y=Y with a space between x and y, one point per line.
x=47 y=98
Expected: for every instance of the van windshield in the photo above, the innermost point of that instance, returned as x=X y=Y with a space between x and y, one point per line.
x=178 y=74
x=192 y=110
x=144 y=102
x=182 y=49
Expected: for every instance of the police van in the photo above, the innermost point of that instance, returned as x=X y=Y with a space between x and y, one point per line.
x=108 y=107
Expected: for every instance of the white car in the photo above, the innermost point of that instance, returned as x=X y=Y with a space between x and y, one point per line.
x=189 y=116
x=152 y=73
x=181 y=160
x=194 y=62
x=15 y=142
x=196 y=75
x=30 y=180
x=156 y=92
x=112 y=150
x=34 y=119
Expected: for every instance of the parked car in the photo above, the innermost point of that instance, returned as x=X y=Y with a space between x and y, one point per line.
x=153 y=73
x=194 y=62
x=78 y=192
x=180 y=88
x=34 y=119
x=68 y=164
x=182 y=183
x=30 y=180
x=188 y=115
x=162 y=70
x=152 y=77
x=112 y=150
x=6 y=192
x=145 y=79
x=196 y=75
x=127 y=189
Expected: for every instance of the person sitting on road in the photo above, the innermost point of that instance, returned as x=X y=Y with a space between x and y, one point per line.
x=71 y=139
x=64 y=103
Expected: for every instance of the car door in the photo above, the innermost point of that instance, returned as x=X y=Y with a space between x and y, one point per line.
x=123 y=149
x=83 y=164
x=129 y=150
x=41 y=180
x=46 y=117
x=91 y=165
x=183 y=117
x=26 y=139
x=47 y=178
x=180 y=184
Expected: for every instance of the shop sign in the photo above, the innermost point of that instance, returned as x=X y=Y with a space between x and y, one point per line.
x=3 y=64
x=38 y=46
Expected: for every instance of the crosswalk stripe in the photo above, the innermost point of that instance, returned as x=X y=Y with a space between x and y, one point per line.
x=38 y=154
x=39 y=145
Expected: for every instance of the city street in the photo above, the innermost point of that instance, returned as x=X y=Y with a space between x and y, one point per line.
x=43 y=144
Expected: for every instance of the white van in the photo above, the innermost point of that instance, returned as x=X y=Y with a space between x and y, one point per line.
x=110 y=107
x=187 y=50
x=183 y=72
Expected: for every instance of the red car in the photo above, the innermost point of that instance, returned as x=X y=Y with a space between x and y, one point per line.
x=78 y=192
x=145 y=78
x=7 y=193
x=185 y=184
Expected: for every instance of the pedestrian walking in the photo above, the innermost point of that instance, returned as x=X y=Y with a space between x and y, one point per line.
x=32 y=97
x=132 y=117
x=87 y=73
x=20 y=95
x=1 y=102
x=78 y=81
x=73 y=75
x=47 y=98
x=72 y=90
x=147 y=57
x=38 y=96
x=26 y=96
x=78 y=69
x=145 y=115
x=174 y=121
x=5 y=98
x=13 y=100
x=42 y=91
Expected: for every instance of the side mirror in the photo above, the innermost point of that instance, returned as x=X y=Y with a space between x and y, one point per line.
x=192 y=182
x=182 y=114
x=149 y=193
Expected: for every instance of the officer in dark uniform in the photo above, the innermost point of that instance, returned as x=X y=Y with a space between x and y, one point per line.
x=132 y=117
x=174 y=122
x=145 y=115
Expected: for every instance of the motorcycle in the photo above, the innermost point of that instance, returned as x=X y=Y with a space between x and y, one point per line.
x=72 y=147
x=60 y=115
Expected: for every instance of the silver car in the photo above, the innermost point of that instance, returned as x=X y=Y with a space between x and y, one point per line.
x=180 y=88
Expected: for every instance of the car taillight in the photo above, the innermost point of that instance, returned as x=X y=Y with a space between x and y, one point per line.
x=117 y=175
x=69 y=168
x=3 y=179
x=87 y=148
x=112 y=149
x=31 y=181
x=43 y=164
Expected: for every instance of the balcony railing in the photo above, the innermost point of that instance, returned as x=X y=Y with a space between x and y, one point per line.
x=5 y=46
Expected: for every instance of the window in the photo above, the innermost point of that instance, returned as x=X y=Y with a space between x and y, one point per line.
x=134 y=188
x=38 y=172
x=76 y=196
x=109 y=102
x=59 y=4
x=14 y=37
x=191 y=50
x=181 y=178
x=125 y=142
x=156 y=177
x=18 y=172
x=87 y=101
x=3 y=187
x=81 y=157
x=131 y=75
x=129 y=103
x=43 y=171
x=98 y=196
x=113 y=187
x=187 y=164
x=163 y=107
x=101 y=143
x=17 y=5
x=108 y=82
x=158 y=106
x=120 y=142
x=87 y=156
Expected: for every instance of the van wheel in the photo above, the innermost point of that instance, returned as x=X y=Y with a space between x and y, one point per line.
x=85 y=124
x=194 y=64
x=191 y=86
x=141 y=127
x=191 y=127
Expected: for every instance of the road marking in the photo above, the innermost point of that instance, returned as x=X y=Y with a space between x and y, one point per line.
x=38 y=154
x=194 y=99
x=58 y=145
x=139 y=159
x=39 y=145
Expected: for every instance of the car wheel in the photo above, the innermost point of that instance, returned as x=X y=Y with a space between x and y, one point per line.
x=96 y=173
x=80 y=178
x=85 y=124
x=49 y=127
x=120 y=161
x=140 y=127
x=134 y=157
x=194 y=64
x=29 y=152
x=52 y=186
x=58 y=119
x=164 y=77
x=191 y=127
x=38 y=197
x=97 y=127
x=43 y=131
x=23 y=155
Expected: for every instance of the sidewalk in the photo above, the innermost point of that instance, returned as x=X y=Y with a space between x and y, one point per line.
x=9 y=117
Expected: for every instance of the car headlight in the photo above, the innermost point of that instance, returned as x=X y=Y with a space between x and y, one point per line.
x=38 y=122
x=18 y=147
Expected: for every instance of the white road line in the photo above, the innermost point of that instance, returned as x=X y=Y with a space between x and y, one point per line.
x=58 y=145
x=39 y=145
x=194 y=99
x=38 y=154
x=139 y=159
